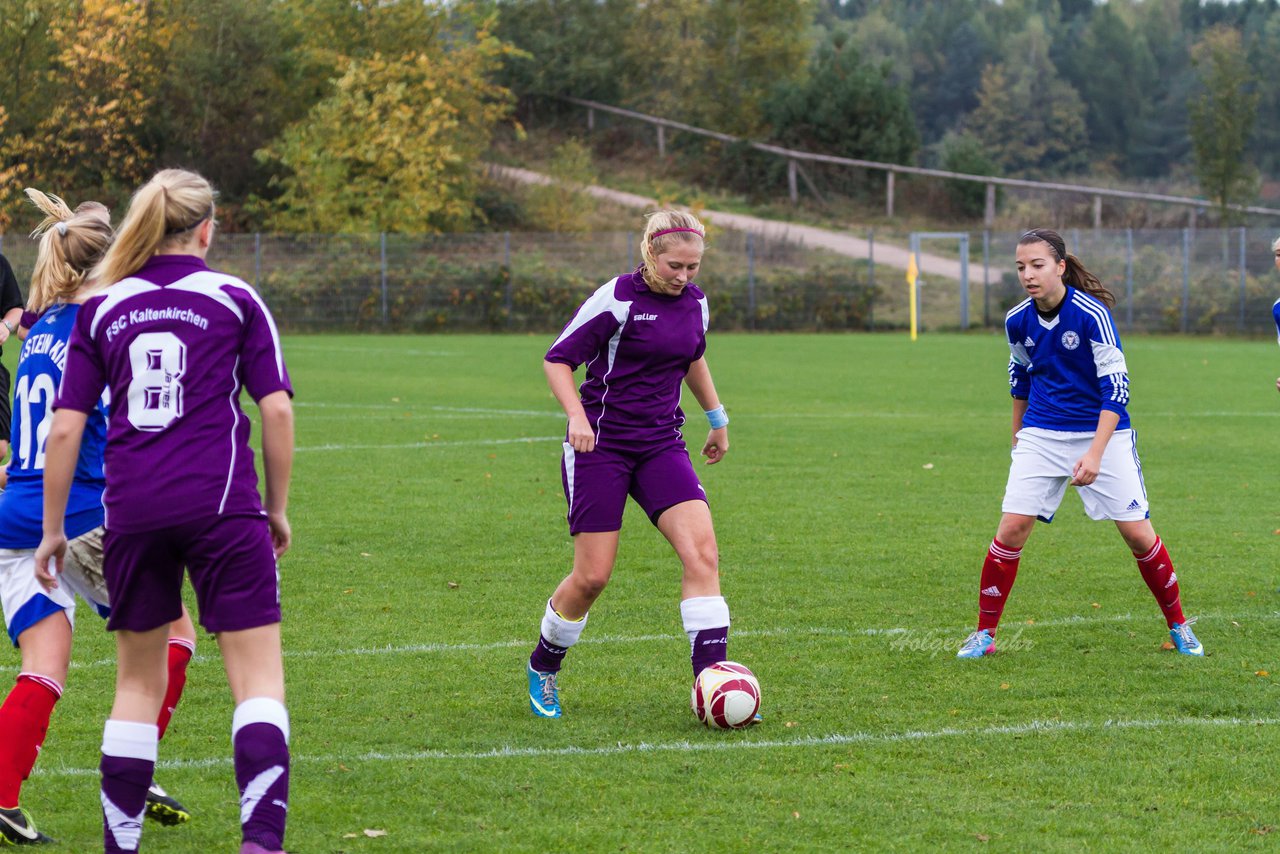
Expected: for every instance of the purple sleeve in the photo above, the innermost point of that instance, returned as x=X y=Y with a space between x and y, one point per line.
x=589 y=331
x=84 y=377
x=261 y=358
x=29 y=319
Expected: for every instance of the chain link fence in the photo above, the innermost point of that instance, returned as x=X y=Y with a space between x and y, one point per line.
x=1219 y=281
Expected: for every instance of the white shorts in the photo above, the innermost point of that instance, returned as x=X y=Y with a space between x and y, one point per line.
x=26 y=603
x=1041 y=471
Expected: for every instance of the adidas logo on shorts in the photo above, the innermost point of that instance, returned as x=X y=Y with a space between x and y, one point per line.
x=1134 y=505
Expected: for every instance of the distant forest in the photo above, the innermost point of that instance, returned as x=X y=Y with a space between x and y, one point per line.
x=334 y=115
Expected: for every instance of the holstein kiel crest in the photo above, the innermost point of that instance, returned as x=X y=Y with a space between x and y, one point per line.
x=1070 y=340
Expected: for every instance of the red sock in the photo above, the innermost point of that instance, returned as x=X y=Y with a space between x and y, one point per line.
x=180 y=651
x=24 y=720
x=1157 y=571
x=998 y=572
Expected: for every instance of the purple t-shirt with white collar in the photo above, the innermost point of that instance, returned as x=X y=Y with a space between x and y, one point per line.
x=637 y=346
x=175 y=342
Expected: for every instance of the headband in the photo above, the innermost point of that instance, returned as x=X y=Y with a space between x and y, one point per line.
x=658 y=234
x=169 y=232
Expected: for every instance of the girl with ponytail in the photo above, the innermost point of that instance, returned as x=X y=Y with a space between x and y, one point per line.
x=640 y=336
x=1070 y=387
x=174 y=343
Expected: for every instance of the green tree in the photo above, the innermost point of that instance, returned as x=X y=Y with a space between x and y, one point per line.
x=845 y=107
x=1222 y=117
x=1029 y=118
x=751 y=46
x=229 y=75
x=1114 y=71
x=568 y=47
x=394 y=147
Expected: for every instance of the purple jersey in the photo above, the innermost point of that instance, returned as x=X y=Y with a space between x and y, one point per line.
x=176 y=342
x=637 y=347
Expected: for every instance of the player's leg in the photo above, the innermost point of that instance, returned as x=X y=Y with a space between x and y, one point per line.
x=594 y=553
x=233 y=571
x=1119 y=494
x=259 y=733
x=130 y=737
x=162 y=807
x=595 y=489
x=667 y=487
x=1039 y=471
x=703 y=610
x=83 y=573
x=39 y=623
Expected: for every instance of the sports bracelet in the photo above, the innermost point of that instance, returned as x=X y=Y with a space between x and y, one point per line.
x=717 y=418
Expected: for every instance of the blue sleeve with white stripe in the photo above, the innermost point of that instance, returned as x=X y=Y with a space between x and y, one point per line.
x=1108 y=359
x=1019 y=362
x=1275 y=315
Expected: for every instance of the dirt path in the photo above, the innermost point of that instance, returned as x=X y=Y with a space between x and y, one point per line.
x=835 y=241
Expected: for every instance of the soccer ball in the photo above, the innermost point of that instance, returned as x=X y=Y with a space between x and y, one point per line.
x=726 y=695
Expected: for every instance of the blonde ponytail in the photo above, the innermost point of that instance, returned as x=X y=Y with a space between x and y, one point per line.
x=71 y=243
x=162 y=214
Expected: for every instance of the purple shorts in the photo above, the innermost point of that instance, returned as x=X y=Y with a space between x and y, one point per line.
x=232 y=566
x=597 y=484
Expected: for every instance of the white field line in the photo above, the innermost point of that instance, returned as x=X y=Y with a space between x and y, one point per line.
x=715 y=745
x=485 y=412
x=959 y=633
x=423 y=445
x=410 y=407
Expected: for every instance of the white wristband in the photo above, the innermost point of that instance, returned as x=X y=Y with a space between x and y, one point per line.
x=717 y=418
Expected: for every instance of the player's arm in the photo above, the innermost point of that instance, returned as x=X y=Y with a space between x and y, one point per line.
x=1019 y=412
x=560 y=380
x=277 y=465
x=1019 y=378
x=699 y=381
x=61 y=453
x=9 y=323
x=1086 y=468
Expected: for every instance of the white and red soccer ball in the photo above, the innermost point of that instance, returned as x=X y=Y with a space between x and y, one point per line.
x=726 y=695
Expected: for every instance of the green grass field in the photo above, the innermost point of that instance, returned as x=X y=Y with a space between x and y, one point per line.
x=853 y=513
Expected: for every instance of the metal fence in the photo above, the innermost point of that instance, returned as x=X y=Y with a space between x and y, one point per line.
x=1181 y=281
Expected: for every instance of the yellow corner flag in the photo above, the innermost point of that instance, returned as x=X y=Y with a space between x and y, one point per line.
x=913 y=275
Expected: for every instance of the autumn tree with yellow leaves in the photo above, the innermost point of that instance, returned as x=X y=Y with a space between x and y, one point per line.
x=397 y=145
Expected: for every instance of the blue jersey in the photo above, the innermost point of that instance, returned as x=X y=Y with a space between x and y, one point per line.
x=1068 y=367
x=1275 y=315
x=44 y=354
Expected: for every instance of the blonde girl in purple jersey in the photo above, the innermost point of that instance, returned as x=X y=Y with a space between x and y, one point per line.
x=639 y=336
x=175 y=343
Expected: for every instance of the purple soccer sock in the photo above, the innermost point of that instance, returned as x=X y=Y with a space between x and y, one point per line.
x=128 y=762
x=547 y=657
x=558 y=634
x=260 y=737
x=706 y=622
x=709 y=646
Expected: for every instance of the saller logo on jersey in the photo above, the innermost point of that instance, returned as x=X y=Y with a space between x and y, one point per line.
x=1070 y=340
x=645 y=317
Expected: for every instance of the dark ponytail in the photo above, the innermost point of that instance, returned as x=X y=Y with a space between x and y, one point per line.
x=1076 y=274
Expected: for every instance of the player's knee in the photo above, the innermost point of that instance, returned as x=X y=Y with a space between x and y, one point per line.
x=591 y=581
x=702 y=561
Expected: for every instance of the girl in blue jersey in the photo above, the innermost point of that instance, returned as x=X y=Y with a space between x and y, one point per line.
x=640 y=336
x=1070 y=388
x=39 y=622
